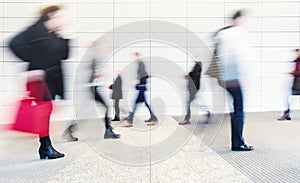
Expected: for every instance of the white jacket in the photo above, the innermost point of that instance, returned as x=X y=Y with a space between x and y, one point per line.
x=232 y=50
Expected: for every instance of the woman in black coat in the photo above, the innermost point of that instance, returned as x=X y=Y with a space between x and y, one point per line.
x=43 y=47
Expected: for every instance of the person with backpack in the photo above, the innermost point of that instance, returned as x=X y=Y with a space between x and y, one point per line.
x=232 y=46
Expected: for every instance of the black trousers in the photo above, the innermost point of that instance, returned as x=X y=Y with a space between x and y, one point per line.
x=237 y=117
x=99 y=99
x=117 y=108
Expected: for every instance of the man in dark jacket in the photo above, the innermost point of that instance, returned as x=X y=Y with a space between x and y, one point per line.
x=117 y=95
x=193 y=87
x=141 y=87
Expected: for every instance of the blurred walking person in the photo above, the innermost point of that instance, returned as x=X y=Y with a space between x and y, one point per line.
x=44 y=45
x=295 y=88
x=193 y=87
x=109 y=133
x=141 y=87
x=232 y=47
x=117 y=94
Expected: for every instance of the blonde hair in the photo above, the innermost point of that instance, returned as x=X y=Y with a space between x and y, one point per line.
x=48 y=9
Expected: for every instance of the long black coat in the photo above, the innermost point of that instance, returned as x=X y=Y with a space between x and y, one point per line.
x=194 y=78
x=117 y=88
x=43 y=50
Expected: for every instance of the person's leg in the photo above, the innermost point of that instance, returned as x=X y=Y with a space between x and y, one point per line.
x=39 y=90
x=286 y=113
x=131 y=115
x=149 y=108
x=99 y=99
x=191 y=98
x=109 y=133
x=152 y=115
x=117 y=110
x=128 y=122
x=188 y=109
x=237 y=117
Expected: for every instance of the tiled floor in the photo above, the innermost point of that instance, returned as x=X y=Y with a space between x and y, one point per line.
x=164 y=153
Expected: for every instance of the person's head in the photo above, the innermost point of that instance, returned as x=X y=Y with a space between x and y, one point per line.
x=297 y=51
x=96 y=47
x=136 y=56
x=48 y=11
x=237 y=18
x=117 y=71
x=195 y=58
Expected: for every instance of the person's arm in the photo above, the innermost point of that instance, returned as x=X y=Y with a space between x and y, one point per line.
x=296 y=72
x=66 y=50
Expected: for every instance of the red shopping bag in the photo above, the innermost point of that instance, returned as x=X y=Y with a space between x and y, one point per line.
x=33 y=116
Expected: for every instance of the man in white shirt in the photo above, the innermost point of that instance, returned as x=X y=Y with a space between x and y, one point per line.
x=232 y=50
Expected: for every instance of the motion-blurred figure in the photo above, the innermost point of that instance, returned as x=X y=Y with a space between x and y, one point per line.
x=295 y=88
x=193 y=86
x=141 y=87
x=117 y=94
x=44 y=45
x=232 y=46
x=109 y=133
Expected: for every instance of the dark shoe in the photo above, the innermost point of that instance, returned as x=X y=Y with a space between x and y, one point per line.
x=148 y=120
x=285 y=116
x=116 y=119
x=185 y=122
x=152 y=119
x=46 y=150
x=152 y=123
x=68 y=133
x=207 y=117
x=242 y=148
x=109 y=134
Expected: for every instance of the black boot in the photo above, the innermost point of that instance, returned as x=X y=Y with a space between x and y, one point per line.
x=47 y=151
x=110 y=134
x=116 y=118
x=285 y=116
x=68 y=133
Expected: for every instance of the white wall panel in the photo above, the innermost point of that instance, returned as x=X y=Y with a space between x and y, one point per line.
x=16 y=24
x=205 y=24
x=281 y=39
x=21 y=9
x=278 y=9
x=94 y=25
x=206 y=10
x=95 y=10
x=132 y=10
x=273 y=26
x=281 y=24
x=278 y=54
x=173 y=10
